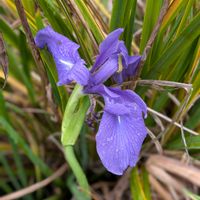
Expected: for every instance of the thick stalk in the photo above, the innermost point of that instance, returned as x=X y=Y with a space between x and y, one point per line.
x=77 y=170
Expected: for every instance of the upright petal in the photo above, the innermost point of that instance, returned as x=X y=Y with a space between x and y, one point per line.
x=123 y=52
x=107 y=48
x=133 y=63
x=105 y=71
x=65 y=54
x=111 y=40
x=129 y=70
x=119 y=141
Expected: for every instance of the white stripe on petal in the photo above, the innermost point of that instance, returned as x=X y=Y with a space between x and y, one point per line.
x=69 y=64
x=119 y=119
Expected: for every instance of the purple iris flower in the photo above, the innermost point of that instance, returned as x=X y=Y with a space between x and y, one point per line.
x=114 y=59
x=69 y=64
x=122 y=129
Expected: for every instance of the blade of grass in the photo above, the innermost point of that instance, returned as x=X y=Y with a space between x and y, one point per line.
x=73 y=188
x=5 y=187
x=83 y=50
x=151 y=15
x=96 y=12
x=195 y=92
x=190 y=33
x=146 y=184
x=3 y=59
x=151 y=40
x=15 y=136
x=8 y=33
x=193 y=121
x=128 y=33
x=137 y=191
x=118 y=14
x=184 y=18
x=172 y=18
x=163 y=41
x=59 y=93
x=181 y=65
x=172 y=12
x=25 y=56
x=79 y=16
x=193 y=143
x=191 y=195
x=54 y=17
x=9 y=172
x=90 y=20
x=194 y=64
x=36 y=186
x=20 y=168
x=29 y=7
x=11 y=6
x=31 y=43
x=16 y=70
x=18 y=161
x=83 y=147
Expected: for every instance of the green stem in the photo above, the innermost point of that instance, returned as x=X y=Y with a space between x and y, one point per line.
x=77 y=170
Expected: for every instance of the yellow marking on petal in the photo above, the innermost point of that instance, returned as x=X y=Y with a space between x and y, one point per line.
x=120 y=66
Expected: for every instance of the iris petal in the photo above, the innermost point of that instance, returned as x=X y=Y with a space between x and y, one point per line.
x=80 y=73
x=122 y=129
x=65 y=54
x=132 y=62
x=119 y=141
x=110 y=47
x=107 y=48
x=105 y=71
x=128 y=97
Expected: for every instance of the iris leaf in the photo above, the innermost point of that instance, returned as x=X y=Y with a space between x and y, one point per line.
x=74 y=116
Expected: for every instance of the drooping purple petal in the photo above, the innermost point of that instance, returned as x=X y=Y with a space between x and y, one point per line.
x=107 y=48
x=101 y=90
x=119 y=140
x=122 y=129
x=128 y=98
x=124 y=100
x=65 y=54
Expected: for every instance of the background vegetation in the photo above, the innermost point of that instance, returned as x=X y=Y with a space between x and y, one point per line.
x=33 y=164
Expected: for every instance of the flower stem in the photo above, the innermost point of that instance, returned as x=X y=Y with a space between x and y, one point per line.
x=77 y=170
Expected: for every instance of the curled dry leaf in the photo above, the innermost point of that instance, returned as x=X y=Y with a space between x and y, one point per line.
x=3 y=59
x=176 y=167
x=159 y=188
